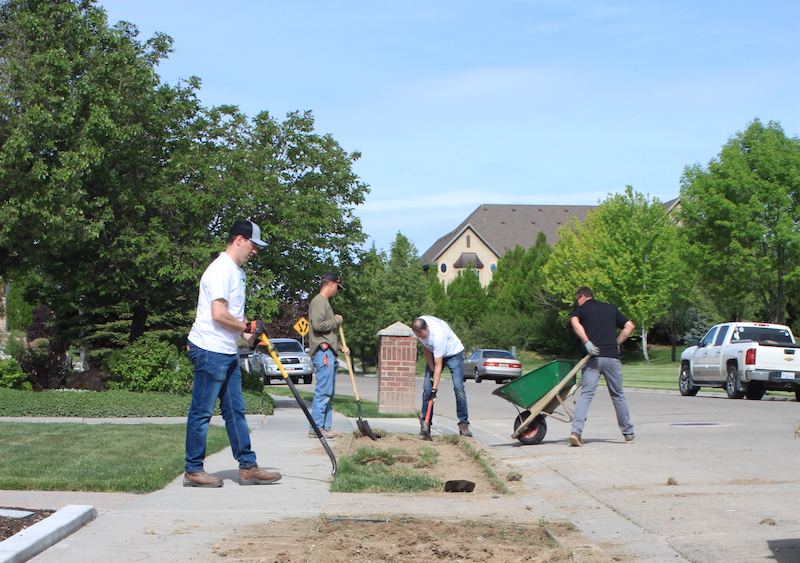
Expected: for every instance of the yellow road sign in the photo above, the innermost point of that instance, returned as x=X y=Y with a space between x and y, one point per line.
x=302 y=326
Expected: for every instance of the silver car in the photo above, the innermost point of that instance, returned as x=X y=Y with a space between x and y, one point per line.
x=292 y=356
x=499 y=365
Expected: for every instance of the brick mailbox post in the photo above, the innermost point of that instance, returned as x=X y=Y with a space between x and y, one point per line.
x=397 y=364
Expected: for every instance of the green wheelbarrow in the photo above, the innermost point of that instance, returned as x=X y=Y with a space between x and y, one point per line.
x=540 y=392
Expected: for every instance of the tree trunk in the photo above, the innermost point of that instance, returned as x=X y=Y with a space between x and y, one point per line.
x=644 y=345
x=139 y=322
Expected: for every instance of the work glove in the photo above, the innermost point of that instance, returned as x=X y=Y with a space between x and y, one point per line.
x=256 y=328
x=591 y=348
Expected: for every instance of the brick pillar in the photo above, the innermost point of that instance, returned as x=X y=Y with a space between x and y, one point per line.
x=397 y=365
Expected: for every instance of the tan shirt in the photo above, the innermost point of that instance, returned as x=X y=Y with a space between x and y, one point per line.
x=324 y=325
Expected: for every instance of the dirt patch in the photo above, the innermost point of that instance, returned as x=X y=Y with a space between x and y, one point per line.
x=401 y=538
x=10 y=526
x=410 y=540
x=453 y=462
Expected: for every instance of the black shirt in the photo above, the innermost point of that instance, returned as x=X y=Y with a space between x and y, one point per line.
x=600 y=321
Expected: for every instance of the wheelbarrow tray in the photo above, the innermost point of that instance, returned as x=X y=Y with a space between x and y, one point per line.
x=527 y=390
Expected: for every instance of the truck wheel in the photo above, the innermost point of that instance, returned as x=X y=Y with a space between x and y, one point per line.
x=731 y=384
x=266 y=379
x=755 y=391
x=685 y=382
x=534 y=432
x=797 y=394
x=307 y=379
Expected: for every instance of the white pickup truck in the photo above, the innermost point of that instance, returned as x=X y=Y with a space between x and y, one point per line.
x=746 y=359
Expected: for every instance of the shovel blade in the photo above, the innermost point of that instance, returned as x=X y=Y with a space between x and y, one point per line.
x=363 y=427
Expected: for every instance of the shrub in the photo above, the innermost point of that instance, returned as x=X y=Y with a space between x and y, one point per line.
x=12 y=376
x=150 y=364
x=111 y=404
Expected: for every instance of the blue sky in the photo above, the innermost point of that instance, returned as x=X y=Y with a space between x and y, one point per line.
x=457 y=103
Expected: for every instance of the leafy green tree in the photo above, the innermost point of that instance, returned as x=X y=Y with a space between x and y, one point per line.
x=740 y=215
x=118 y=190
x=627 y=252
x=466 y=299
x=381 y=291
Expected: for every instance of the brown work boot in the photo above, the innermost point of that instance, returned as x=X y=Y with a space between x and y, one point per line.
x=257 y=476
x=201 y=479
x=575 y=440
x=463 y=429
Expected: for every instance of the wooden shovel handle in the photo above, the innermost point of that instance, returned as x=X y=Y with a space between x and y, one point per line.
x=349 y=363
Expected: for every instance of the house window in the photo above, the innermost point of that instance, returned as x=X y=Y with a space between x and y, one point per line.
x=443 y=267
x=493 y=267
x=468 y=241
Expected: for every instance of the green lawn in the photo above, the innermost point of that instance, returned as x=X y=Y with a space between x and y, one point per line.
x=95 y=457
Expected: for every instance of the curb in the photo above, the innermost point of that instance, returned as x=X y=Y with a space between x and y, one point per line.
x=33 y=540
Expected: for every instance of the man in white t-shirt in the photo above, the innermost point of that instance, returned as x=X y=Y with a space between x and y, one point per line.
x=442 y=348
x=219 y=322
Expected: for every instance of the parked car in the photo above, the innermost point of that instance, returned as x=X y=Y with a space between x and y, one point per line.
x=500 y=365
x=293 y=357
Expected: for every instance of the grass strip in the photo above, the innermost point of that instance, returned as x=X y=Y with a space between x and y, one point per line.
x=110 y=404
x=376 y=470
x=129 y=458
x=344 y=404
x=475 y=454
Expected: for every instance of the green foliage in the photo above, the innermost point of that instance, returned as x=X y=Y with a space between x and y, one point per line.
x=740 y=215
x=151 y=365
x=111 y=404
x=12 y=376
x=19 y=312
x=132 y=458
x=466 y=299
x=380 y=291
x=626 y=251
x=121 y=178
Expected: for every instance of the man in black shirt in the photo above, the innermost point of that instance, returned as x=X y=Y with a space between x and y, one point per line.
x=596 y=325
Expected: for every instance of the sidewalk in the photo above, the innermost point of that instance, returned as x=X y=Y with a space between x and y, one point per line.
x=182 y=524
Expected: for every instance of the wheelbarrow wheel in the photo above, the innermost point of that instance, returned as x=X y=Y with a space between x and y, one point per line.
x=534 y=432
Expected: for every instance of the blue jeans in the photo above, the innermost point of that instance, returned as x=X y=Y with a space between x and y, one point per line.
x=321 y=409
x=456 y=365
x=216 y=376
x=611 y=369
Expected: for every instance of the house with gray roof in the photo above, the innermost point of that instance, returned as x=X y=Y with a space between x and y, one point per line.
x=492 y=229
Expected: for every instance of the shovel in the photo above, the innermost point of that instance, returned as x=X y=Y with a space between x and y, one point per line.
x=426 y=427
x=299 y=400
x=363 y=425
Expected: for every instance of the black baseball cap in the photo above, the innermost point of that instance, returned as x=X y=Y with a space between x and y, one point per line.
x=248 y=230
x=332 y=277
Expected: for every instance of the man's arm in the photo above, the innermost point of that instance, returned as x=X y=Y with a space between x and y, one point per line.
x=577 y=327
x=625 y=332
x=221 y=316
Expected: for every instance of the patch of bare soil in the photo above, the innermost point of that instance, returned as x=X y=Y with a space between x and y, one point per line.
x=409 y=539
x=10 y=526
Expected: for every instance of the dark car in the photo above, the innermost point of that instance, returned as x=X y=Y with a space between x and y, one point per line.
x=500 y=365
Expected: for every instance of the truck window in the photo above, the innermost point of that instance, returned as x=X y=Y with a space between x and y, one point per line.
x=721 y=334
x=762 y=334
x=708 y=339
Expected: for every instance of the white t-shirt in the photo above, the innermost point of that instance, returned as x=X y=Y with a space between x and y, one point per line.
x=223 y=279
x=441 y=340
